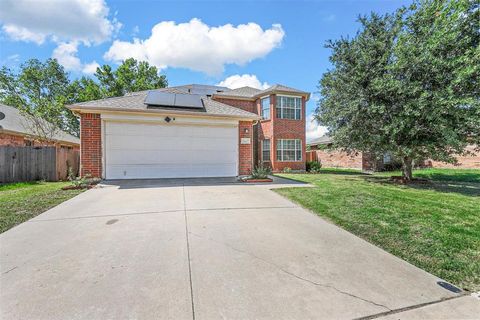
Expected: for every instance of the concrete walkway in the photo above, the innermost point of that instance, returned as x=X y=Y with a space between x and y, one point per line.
x=198 y=249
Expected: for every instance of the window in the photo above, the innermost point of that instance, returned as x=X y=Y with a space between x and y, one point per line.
x=265 y=104
x=289 y=150
x=289 y=107
x=266 y=150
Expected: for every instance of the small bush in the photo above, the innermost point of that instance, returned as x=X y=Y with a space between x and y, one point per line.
x=287 y=170
x=261 y=172
x=313 y=166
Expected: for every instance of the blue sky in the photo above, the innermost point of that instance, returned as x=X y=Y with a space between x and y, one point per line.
x=284 y=42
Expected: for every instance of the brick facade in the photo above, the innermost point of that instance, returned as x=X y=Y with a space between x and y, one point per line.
x=18 y=140
x=91 y=146
x=331 y=158
x=273 y=129
x=7 y=139
x=464 y=162
x=245 y=151
x=246 y=105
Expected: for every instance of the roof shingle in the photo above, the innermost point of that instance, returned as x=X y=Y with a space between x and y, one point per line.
x=135 y=102
x=14 y=121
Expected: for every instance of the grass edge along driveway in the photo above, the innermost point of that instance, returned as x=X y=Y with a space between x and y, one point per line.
x=22 y=201
x=435 y=226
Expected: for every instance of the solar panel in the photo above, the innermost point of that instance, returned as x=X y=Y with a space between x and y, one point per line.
x=158 y=98
x=174 y=100
x=188 y=100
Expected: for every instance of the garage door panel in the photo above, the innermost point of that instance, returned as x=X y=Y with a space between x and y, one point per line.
x=139 y=150
x=123 y=142
x=170 y=171
x=152 y=157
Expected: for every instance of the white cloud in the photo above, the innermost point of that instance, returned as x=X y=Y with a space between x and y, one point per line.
x=313 y=129
x=66 y=54
x=90 y=68
x=244 y=80
x=197 y=46
x=60 y=20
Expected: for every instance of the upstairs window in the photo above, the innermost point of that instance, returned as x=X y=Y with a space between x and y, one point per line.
x=265 y=105
x=266 y=150
x=289 y=150
x=289 y=108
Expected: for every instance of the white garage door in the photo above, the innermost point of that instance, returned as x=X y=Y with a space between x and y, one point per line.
x=137 y=151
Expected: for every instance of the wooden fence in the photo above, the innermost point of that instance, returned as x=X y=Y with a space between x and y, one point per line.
x=37 y=163
x=312 y=156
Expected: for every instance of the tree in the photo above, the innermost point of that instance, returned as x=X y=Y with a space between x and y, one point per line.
x=39 y=91
x=130 y=76
x=406 y=84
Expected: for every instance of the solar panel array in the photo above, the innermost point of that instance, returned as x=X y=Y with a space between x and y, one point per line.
x=175 y=100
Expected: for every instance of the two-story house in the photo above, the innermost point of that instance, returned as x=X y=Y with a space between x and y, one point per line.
x=192 y=131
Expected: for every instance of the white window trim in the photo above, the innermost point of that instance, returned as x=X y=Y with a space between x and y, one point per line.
x=295 y=150
x=264 y=160
x=281 y=107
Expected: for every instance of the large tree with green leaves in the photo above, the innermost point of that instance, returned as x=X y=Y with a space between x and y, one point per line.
x=130 y=76
x=407 y=84
x=40 y=91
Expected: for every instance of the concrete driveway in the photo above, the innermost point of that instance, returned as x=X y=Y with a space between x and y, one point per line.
x=197 y=249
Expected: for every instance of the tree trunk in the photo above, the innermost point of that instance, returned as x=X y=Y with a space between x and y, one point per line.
x=407 y=168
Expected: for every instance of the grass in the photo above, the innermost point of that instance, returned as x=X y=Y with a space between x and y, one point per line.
x=23 y=201
x=435 y=226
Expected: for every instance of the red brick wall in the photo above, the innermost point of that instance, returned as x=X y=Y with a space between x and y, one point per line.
x=245 y=150
x=288 y=129
x=465 y=162
x=265 y=131
x=246 y=105
x=273 y=129
x=339 y=159
x=91 y=145
x=7 y=139
x=11 y=140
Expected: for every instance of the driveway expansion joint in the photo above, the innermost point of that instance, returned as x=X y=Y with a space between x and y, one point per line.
x=293 y=274
x=188 y=252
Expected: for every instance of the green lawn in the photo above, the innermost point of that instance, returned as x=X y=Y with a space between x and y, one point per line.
x=435 y=226
x=23 y=201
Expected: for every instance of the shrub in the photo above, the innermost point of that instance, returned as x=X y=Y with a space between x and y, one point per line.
x=287 y=170
x=261 y=172
x=313 y=166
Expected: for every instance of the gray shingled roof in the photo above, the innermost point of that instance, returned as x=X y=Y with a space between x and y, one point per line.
x=14 y=121
x=281 y=88
x=326 y=139
x=135 y=102
x=249 y=92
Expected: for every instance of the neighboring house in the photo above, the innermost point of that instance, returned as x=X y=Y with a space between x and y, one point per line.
x=192 y=131
x=322 y=150
x=14 y=131
x=25 y=157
